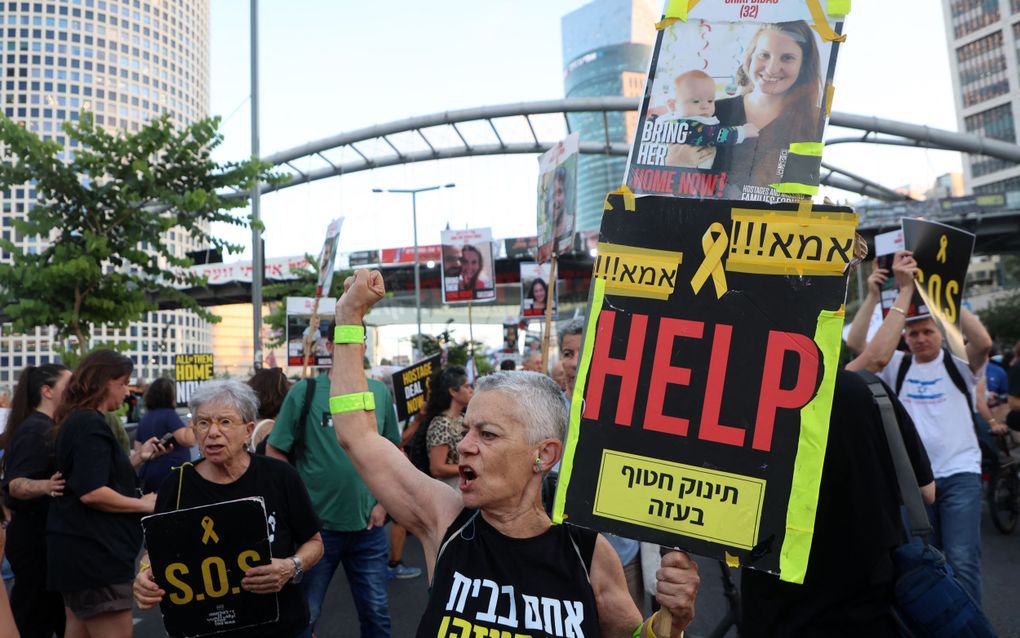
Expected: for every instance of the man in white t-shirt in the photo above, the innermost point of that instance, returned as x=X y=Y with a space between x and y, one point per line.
x=939 y=395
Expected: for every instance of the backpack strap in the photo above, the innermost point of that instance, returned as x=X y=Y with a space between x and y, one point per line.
x=298 y=448
x=901 y=372
x=961 y=385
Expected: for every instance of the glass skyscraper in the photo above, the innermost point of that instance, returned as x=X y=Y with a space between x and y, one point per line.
x=984 y=54
x=606 y=48
x=126 y=61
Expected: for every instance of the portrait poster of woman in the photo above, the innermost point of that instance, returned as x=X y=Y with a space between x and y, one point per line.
x=727 y=96
x=468 y=265
x=557 y=197
x=536 y=291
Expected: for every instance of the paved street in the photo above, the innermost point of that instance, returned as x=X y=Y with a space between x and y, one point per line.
x=1001 y=571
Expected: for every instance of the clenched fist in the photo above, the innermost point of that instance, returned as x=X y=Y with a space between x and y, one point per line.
x=362 y=290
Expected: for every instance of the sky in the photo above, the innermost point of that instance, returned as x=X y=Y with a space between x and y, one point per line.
x=329 y=66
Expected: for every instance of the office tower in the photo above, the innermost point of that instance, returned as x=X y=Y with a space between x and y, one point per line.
x=606 y=48
x=126 y=61
x=984 y=36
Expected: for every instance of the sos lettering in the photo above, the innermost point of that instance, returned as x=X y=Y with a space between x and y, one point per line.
x=214 y=574
x=951 y=291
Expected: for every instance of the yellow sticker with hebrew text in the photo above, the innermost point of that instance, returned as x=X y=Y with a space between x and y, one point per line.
x=637 y=272
x=790 y=242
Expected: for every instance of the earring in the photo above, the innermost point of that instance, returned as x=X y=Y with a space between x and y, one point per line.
x=538 y=464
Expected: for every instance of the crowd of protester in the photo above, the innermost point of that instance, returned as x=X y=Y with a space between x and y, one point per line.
x=468 y=476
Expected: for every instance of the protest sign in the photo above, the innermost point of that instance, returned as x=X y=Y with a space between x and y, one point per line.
x=536 y=289
x=943 y=255
x=735 y=103
x=510 y=333
x=557 y=197
x=191 y=371
x=700 y=413
x=411 y=386
x=468 y=266
x=886 y=247
x=327 y=257
x=199 y=556
x=299 y=320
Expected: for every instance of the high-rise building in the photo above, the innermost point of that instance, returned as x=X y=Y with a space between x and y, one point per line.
x=606 y=48
x=126 y=61
x=984 y=47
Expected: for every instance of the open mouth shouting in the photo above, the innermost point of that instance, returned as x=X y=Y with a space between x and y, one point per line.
x=467 y=477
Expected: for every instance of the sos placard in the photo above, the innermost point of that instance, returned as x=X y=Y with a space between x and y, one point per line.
x=700 y=414
x=199 y=557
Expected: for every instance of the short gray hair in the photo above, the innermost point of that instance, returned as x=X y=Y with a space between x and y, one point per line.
x=573 y=327
x=230 y=392
x=539 y=401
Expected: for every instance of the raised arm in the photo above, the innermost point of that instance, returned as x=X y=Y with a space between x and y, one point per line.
x=422 y=505
x=857 y=338
x=979 y=342
x=879 y=350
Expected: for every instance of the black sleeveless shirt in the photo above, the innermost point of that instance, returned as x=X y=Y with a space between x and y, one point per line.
x=537 y=587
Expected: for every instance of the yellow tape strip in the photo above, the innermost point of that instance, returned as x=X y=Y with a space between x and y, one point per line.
x=732 y=561
x=830 y=92
x=838 y=8
x=676 y=10
x=807 y=467
x=804 y=206
x=814 y=149
x=821 y=24
x=628 y=198
x=573 y=433
x=793 y=188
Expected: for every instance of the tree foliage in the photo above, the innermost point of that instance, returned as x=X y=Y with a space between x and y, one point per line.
x=1002 y=319
x=100 y=216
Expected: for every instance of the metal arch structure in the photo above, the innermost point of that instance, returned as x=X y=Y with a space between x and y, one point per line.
x=417 y=139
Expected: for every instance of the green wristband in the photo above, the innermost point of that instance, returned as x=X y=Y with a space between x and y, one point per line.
x=349 y=334
x=354 y=402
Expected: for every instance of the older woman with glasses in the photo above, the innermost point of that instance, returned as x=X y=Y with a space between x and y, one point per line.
x=224 y=414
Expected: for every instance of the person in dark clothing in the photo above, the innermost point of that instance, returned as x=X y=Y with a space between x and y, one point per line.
x=160 y=420
x=30 y=480
x=848 y=588
x=271 y=385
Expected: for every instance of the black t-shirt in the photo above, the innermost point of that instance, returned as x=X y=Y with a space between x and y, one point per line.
x=88 y=548
x=847 y=590
x=30 y=457
x=486 y=583
x=292 y=522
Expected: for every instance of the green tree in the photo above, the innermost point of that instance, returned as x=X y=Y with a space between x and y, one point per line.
x=1002 y=319
x=101 y=213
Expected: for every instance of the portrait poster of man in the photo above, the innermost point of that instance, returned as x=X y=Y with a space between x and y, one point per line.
x=700 y=413
x=557 y=197
x=468 y=266
x=735 y=103
x=536 y=289
x=299 y=320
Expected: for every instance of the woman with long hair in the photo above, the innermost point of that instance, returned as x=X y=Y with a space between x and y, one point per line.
x=538 y=294
x=93 y=533
x=436 y=440
x=471 y=264
x=161 y=420
x=271 y=386
x=31 y=479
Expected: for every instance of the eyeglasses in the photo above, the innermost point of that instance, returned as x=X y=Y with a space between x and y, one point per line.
x=203 y=425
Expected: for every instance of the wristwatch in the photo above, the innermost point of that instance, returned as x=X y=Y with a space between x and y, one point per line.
x=298 y=572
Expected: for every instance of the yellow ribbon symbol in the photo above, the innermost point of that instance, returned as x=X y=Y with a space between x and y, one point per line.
x=714 y=248
x=943 y=243
x=210 y=533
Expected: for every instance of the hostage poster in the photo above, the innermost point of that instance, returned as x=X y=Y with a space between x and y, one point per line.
x=735 y=103
x=557 y=197
x=536 y=289
x=468 y=266
x=299 y=328
x=700 y=413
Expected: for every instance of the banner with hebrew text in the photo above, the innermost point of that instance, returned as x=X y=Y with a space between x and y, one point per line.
x=700 y=413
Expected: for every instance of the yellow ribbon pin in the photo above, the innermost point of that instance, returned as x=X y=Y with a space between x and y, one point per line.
x=210 y=533
x=714 y=249
x=943 y=244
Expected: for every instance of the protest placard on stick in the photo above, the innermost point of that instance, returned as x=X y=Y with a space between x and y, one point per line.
x=411 y=385
x=199 y=556
x=191 y=371
x=700 y=413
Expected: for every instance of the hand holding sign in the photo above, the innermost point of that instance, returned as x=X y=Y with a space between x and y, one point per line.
x=268 y=579
x=904 y=269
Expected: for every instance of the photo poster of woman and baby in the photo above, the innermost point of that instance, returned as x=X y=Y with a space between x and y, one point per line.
x=557 y=197
x=468 y=267
x=728 y=92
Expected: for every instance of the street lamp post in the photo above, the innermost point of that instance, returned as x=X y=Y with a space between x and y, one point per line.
x=414 y=221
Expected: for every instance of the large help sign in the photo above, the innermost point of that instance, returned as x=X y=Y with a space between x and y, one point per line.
x=701 y=408
x=199 y=557
x=736 y=101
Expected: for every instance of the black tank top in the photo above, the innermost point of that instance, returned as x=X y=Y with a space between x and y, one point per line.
x=516 y=586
